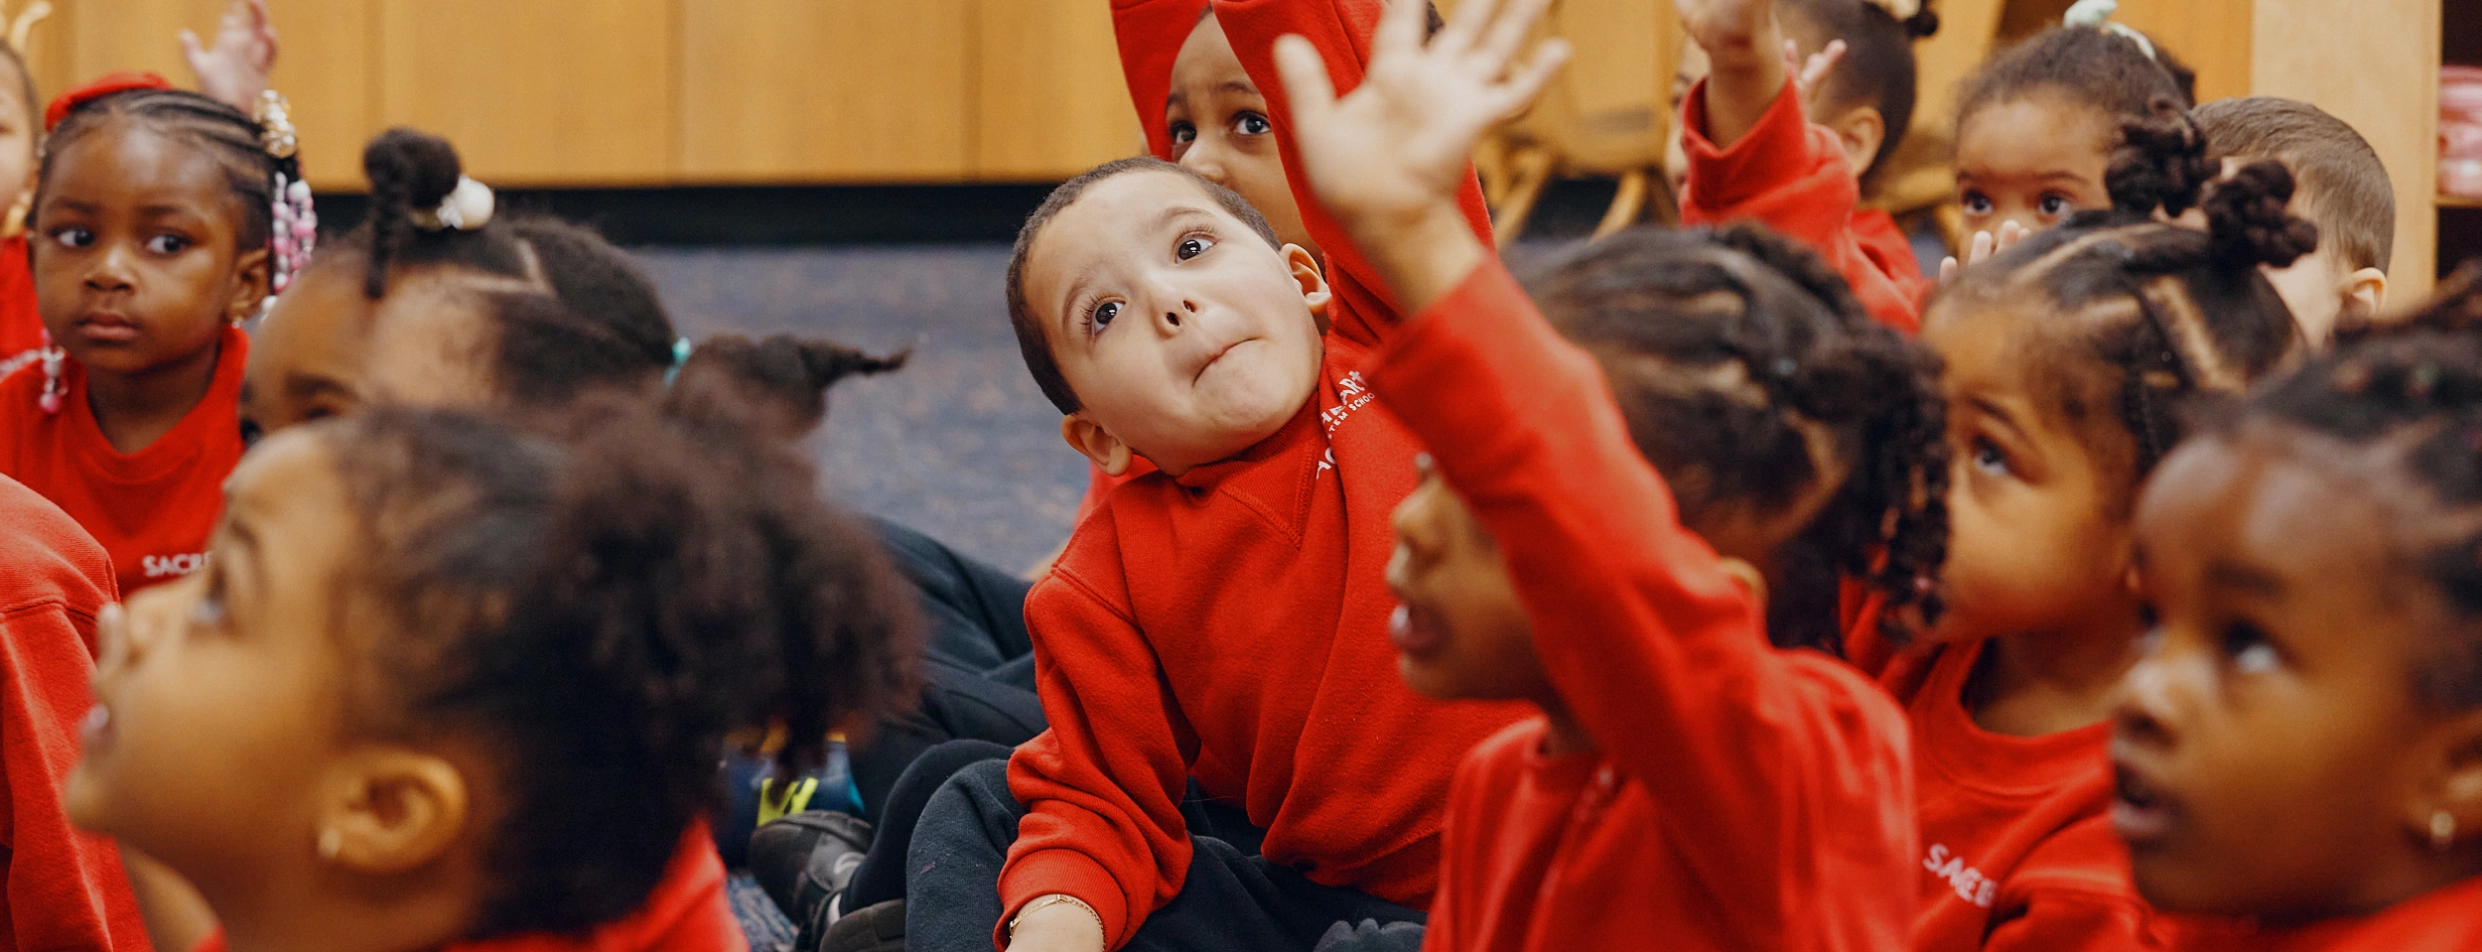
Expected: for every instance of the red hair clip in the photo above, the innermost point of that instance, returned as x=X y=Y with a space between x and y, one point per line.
x=101 y=86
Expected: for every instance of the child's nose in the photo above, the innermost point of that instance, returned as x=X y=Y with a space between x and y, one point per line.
x=1174 y=318
x=2144 y=713
x=1206 y=160
x=111 y=271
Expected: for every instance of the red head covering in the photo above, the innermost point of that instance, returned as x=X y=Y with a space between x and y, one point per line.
x=101 y=86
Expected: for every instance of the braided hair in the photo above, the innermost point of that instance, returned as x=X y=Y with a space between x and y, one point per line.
x=601 y=600
x=601 y=322
x=2145 y=315
x=1725 y=350
x=258 y=159
x=2408 y=395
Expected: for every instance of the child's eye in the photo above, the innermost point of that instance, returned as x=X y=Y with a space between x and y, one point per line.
x=1103 y=314
x=1192 y=247
x=1977 y=203
x=1252 y=124
x=2249 y=649
x=1183 y=133
x=1989 y=458
x=167 y=244
x=74 y=237
x=209 y=612
x=2054 y=206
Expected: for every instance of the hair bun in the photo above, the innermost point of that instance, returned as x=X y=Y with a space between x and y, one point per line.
x=2161 y=162
x=1923 y=23
x=2246 y=218
x=423 y=167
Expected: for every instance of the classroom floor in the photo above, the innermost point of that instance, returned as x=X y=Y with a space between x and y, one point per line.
x=959 y=444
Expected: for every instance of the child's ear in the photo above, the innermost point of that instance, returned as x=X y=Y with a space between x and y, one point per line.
x=252 y=276
x=2365 y=290
x=391 y=810
x=1860 y=130
x=1313 y=284
x=1097 y=443
x=2449 y=809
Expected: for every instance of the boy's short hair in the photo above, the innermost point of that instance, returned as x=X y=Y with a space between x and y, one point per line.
x=1878 y=67
x=1031 y=338
x=2350 y=197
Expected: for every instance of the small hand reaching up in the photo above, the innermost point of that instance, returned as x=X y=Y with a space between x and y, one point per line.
x=1984 y=245
x=234 y=71
x=1387 y=159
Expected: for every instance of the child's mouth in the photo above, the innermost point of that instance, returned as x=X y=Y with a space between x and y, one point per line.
x=95 y=730
x=2141 y=814
x=1416 y=635
x=107 y=328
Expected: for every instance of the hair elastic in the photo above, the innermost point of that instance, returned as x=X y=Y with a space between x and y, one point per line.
x=468 y=207
x=681 y=348
x=2097 y=14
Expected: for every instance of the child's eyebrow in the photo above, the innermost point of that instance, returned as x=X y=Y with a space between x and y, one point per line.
x=2247 y=578
x=2001 y=416
x=1227 y=86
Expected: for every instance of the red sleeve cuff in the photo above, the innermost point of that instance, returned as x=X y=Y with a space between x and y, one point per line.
x=1038 y=874
x=1778 y=149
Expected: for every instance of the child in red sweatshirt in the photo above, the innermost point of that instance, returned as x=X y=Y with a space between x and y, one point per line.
x=2302 y=745
x=65 y=888
x=2070 y=360
x=157 y=221
x=1688 y=784
x=448 y=681
x=1753 y=153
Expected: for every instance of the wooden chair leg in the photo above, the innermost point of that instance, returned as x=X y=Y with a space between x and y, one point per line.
x=1529 y=170
x=1627 y=202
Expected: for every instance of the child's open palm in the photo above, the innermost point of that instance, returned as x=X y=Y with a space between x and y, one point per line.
x=234 y=71
x=1396 y=147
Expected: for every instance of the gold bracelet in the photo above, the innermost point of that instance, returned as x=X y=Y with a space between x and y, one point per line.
x=1056 y=899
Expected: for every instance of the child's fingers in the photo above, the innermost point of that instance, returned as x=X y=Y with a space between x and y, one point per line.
x=1521 y=88
x=1306 y=83
x=1463 y=25
x=1947 y=269
x=1509 y=32
x=1983 y=242
x=1401 y=25
x=192 y=50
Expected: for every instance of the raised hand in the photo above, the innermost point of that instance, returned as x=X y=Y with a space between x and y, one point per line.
x=234 y=71
x=1387 y=159
x=1984 y=245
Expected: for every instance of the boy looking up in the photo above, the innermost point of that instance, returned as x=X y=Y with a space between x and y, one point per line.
x=1220 y=620
x=2338 y=184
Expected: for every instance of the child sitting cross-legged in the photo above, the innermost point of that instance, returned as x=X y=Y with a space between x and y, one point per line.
x=1687 y=783
x=2302 y=744
x=448 y=683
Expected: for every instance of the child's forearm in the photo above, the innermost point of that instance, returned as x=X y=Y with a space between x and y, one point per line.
x=1422 y=257
x=1748 y=75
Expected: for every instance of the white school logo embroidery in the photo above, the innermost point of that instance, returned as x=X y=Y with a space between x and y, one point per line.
x=159 y=566
x=1970 y=884
x=1352 y=393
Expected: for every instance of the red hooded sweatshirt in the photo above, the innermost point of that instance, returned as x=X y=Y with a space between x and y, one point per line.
x=2447 y=919
x=1162 y=648
x=687 y=912
x=1740 y=796
x=1792 y=176
x=66 y=889
x=152 y=509
x=2018 y=850
x=21 y=324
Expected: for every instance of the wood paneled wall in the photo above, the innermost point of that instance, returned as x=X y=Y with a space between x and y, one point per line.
x=647 y=92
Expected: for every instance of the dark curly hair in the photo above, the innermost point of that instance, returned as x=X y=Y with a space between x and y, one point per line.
x=2409 y=395
x=1877 y=69
x=606 y=325
x=2087 y=65
x=1724 y=349
x=599 y=602
x=2144 y=316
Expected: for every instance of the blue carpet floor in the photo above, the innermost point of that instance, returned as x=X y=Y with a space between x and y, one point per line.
x=959 y=444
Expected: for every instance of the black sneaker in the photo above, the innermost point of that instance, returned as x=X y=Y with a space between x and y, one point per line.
x=805 y=859
x=876 y=928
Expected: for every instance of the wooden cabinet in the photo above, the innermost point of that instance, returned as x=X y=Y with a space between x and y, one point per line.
x=803 y=90
x=537 y=91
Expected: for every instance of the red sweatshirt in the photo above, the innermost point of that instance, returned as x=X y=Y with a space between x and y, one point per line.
x=688 y=912
x=2447 y=919
x=152 y=509
x=2018 y=850
x=66 y=889
x=1792 y=176
x=1741 y=797
x=21 y=324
